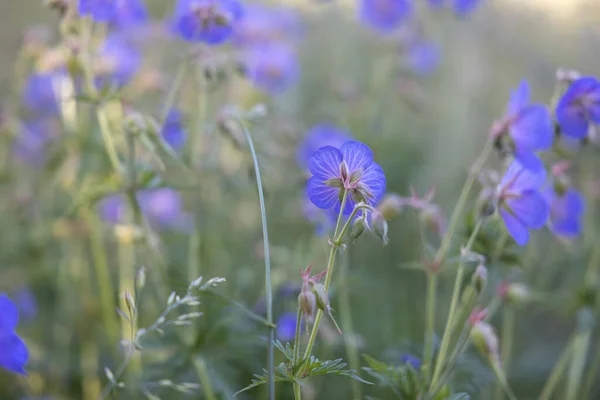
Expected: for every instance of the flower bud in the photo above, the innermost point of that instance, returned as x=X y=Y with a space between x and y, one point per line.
x=322 y=297
x=485 y=340
x=130 y=302
x=380 y=226
x=307 y=302
x=358 y=227
x=517 y=294
x=391 y=206
x=140 y=279
x=479 y=278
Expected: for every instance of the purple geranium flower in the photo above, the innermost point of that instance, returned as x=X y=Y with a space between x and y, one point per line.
x=529 y=126
x=121 y=13
x=384 y=15
x=351 y=169
x=208 y=21
x=14 y=354
x=261 y=24
x=566 y=211
x=286 y=327
x=118 y=61
x=521 y=205
x=320 y=135
x=415 y=362
x=272 y=67
x=578 y=107
x=173 y=131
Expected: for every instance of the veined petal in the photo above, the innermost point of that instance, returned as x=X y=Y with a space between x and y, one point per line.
x=325 y=163
x=9 y=316
x=530 y=208
x=532 y=129
x=374 y=179
x=14 y=354
x=515 y=227
x=519 y=98
x=357 y=155
x=518 y=178
x=320 y=194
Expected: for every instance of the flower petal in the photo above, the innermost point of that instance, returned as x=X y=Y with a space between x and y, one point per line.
x=518 y=178
x=515 y=227
x=325 y=163
x=357 y=155
x=320 y=194
x=9 y=316
x=374 y=178
x=14 y=354
x=519 y=98
x=532 y=128
x=530 y=208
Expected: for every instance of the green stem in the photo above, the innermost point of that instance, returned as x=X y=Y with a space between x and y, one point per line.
x=506 y=343
x=346 y=321
x=268 y=285
x=558 y=371
x=453 y=303
x=297 y=391
x=330 y=264
x=174 y=90
x=581 y=345
x=432 y=278
x=297 y=337
x=592 y=375
x=209 y=393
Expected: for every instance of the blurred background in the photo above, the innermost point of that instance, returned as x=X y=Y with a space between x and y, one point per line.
x=425 y=115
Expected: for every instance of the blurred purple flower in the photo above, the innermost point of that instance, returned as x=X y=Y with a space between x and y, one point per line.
x=118 y=61
x=578 y=107
x=173 y=131
x=423 y=58
x=208 y=21
x=320 y=135
x=461 y=7
x=521 y=205
x=164 y=207
x=286 y=327
x=39 y=96
x=14 y=354
x=566 y=211
x=112 y=209
x=121 y=13
x=323 y=220
x=529 y=126
x=271 y=67
x=415 y=362
x=384 y=15
x=30 y=144
x=26 y=303
x=350 y=168
x=260 y=25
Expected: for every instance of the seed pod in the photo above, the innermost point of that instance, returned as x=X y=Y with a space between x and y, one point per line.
x=380 y=226
x=479 y=278
x=308 y=303
x=358 y=227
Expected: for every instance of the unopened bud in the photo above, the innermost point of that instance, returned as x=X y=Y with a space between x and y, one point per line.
x=485 y=340
x=140 y=279
x=390 y=206
x=358 y=227
x=130 y=304
x=479 y=278
x=380 y=226
x=322 y=297
x=307 y=302
x=517 y=294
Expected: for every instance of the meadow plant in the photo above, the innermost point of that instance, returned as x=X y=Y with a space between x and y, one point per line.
x=130 y=178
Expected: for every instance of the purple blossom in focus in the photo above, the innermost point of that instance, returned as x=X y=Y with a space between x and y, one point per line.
x=320 y=135
x=385 y=15
x=120 y=13
x=566 y=211
x=271 y=67
x=579 y=107
x=173 y=131
x=286 y=327
x=208 y=21
x=14 y=354
x=529 y=126
x=350 y=168
x=521 y=205
x=118 y=61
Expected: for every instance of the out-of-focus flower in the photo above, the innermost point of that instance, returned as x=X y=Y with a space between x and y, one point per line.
x=566 y=211
x=208 y=21
x=320 y=135
x=26 y=303
x=39 y=95
x=413 y=361
x=112 y=209
x=120 y=13
x=260 y=25
x=286 y=327
x=323 y=220
x=529 y=127
x=164 y=207
x=31 y=142
x=14 y=354
x=173 y=131
x=351 y=169
x=423 y=58
x=118 y=61
x=384 y=15
x=521 y=205
x=579 y=107
x=461 y=7
x=272 y=67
